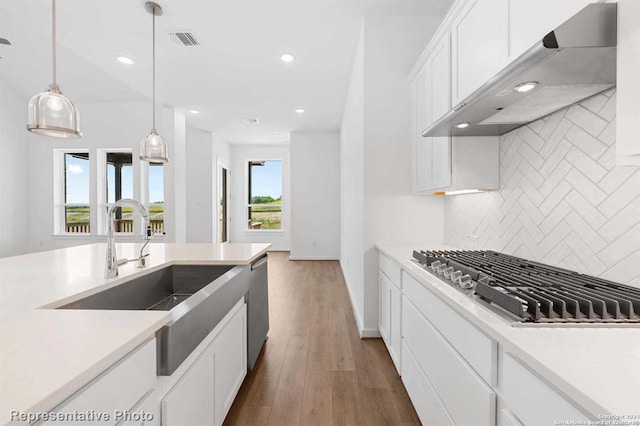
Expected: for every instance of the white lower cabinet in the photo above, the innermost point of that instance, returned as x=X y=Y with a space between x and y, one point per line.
x=467 y=398
x=191 y=401
x=229 y=362
x=204 y=394
x=508 y=419
x=145 y=413
x=117 y=389
x=425 y=399
x=452 y=370
x=390 y=309
x=524 y=394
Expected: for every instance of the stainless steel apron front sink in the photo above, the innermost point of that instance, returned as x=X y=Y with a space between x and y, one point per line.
x=198 y=297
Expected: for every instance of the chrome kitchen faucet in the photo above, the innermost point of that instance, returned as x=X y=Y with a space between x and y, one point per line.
x=112 y=262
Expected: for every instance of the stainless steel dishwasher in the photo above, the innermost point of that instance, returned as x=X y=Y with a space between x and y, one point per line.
x=257 y=310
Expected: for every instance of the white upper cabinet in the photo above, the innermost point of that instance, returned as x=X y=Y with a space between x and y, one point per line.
x=439 y=64
x=479 y=45
x=530 y=21
x=421 y=118
x=432 y=100
x=627 y=105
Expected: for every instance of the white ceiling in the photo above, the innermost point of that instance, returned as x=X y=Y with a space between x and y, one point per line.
x=235 y=72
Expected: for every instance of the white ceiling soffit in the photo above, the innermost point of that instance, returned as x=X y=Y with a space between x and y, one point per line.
x=234 y=72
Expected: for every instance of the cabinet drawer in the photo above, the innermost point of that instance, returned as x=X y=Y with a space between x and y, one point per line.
x=424 y=398
x=476 y=348
x=508 y=419
x=524 y=393
x=466 y=396
x=390 y=268
x=119 y=388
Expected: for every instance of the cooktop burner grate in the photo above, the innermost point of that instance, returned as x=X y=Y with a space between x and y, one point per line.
x=535 y=292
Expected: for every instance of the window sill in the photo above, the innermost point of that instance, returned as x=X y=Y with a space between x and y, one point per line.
x=72 y=236
x=263 y=231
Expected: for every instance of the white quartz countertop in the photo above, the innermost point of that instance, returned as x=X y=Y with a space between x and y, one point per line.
x=46 y=354
x=53 y=278
x=597 y=367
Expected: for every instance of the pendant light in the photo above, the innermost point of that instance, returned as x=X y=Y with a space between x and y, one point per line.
x=51 y=113
x=153 y=148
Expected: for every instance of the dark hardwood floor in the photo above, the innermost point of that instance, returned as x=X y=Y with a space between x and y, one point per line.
x=314 y=369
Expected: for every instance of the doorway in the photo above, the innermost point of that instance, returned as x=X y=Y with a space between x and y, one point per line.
x=223 y=203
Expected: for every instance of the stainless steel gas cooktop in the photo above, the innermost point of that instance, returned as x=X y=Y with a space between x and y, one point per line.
x=532 y=292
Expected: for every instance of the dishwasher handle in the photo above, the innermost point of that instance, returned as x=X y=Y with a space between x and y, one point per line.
x=258 y=263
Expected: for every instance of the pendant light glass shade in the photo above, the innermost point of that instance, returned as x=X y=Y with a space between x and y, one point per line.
x=51 y=113
x=153 y=148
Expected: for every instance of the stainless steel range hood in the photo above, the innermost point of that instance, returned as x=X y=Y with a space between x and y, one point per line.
x=570 y=64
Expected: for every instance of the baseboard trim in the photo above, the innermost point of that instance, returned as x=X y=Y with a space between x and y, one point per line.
x=313 y=258
x=362 y=332
x=370 y=333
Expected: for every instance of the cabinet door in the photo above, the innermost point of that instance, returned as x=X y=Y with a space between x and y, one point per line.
x=479 y=45
x=428 y=405
x=145 y=413
x=230 y=362
x=530 y=21
x=628 y=70
x=395 y=325
x=440 y=78
x=191 y=401
x=118 y=388
x=384 y=313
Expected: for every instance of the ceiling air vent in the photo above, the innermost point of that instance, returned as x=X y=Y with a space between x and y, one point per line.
x=184 y=38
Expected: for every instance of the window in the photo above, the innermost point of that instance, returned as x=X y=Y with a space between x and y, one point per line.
x=117 y=172
x=156 y=196
x=72 y=198
x=264 y=201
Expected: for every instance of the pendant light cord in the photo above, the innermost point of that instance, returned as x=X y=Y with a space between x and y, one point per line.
x=53 y=38
x=153 y=72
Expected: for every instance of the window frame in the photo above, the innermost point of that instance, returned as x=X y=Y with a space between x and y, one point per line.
x=247 y=205
x=101 y=191
x=144 y=193
x=59 y=192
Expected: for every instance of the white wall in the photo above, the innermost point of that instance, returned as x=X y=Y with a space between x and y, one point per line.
x=240 y=155
x=201 y=187
x=352 y=184
x=389 y=213
x=315 y=196
x=104 y=125
x=14 y=173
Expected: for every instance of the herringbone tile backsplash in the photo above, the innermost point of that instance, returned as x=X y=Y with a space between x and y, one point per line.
x=562 y=200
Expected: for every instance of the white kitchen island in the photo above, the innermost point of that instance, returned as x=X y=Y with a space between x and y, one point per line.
x=49 y=355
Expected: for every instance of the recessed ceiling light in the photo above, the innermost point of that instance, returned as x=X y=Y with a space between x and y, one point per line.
x=299 y=110
x=194 y=111
x=287 y=57
x=251 y=121
x=463 y=125
x=126 y=60
x=525 y=87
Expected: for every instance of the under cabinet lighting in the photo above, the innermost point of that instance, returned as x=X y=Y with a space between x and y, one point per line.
x=287 y=57
x=458 y=192
x=526 y=87
x=126 y=60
